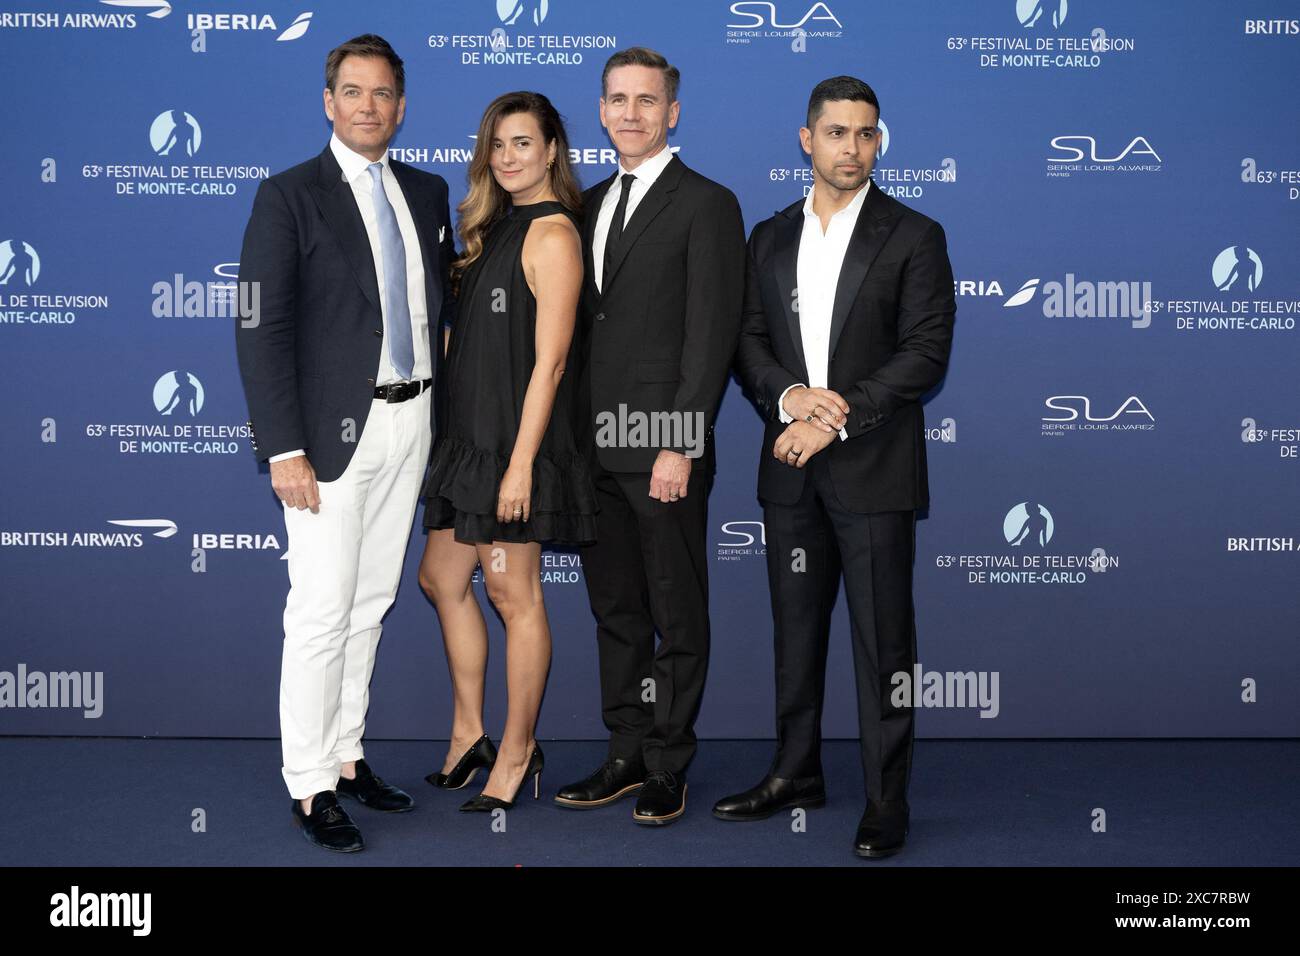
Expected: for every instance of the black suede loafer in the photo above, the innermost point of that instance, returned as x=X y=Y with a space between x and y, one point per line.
x=328 y=825
x=369 y=790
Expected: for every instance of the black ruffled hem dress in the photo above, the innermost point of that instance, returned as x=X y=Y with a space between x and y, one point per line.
x=489 y=364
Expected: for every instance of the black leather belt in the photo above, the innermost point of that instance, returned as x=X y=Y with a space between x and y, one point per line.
x=401 y=391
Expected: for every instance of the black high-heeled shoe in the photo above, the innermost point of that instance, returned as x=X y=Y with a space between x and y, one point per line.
x=486 y=804
x=481 y=755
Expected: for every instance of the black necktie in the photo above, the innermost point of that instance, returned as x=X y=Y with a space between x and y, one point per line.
x=616 y=226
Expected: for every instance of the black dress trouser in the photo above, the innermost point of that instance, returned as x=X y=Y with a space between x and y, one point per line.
x=809 y=544
x=648 y=573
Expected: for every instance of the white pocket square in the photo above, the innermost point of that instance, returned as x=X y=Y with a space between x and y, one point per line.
x=442 y=231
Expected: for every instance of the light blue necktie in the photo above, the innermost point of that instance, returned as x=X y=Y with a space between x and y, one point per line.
x=401 y=351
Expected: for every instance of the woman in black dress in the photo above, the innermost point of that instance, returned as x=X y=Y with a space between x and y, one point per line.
x=505 y=473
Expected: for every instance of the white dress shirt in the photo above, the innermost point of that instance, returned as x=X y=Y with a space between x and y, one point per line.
x=356 y=173
x=645 y=174
x=821 y=254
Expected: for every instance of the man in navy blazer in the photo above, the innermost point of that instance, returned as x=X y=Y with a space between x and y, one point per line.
x=351 y=253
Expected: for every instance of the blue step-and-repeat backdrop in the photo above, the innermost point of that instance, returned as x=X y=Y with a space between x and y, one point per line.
x=1112 y=544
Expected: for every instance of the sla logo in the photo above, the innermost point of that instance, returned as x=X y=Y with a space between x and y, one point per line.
x=1075 y=414
x=1238 y=266
x=172 y=129
x=743 y=539
x=1029 y=12
x=1060 y=142
x=178 y=389
x=1065 y=403
x=18 y=260
x=764 y=14
x=158 y=8
x=1028 y=520
x=509 y=11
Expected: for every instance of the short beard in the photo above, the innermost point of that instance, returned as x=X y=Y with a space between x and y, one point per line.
x=835 y=181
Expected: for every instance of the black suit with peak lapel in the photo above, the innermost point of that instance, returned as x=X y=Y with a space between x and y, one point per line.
x=309 y=362
x=657 y=337
x=851 y=510
x=891 y=330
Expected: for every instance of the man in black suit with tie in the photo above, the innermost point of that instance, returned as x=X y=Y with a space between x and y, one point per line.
x=351 y=251
x=848 y=322
x=664 y=254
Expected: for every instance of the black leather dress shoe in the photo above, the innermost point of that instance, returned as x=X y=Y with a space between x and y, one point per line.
x=772 y=794
x=369 y=790
x=328 y=825
x=662 y=798
x=613 y=780
x=882 y=829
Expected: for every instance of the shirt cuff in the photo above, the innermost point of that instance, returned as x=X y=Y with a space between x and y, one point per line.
x=780 y=404
x=288 y=454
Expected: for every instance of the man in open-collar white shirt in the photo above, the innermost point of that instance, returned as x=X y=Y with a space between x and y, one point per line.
x=851 y=290
x=821 y=254
x=644 y=177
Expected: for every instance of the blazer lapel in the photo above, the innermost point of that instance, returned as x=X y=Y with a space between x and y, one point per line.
x=785 y=261
x=334 y=199
x=656 y=199
x=875 y=222
x=590 y=214
x=420 y=204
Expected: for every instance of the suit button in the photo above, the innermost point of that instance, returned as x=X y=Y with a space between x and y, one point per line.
x=371 y=381
x=600 y=316
x=379 y=332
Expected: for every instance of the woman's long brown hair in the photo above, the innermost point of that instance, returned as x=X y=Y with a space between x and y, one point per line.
x=487 y=201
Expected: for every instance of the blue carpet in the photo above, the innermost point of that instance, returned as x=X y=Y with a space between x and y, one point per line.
x=128 y=802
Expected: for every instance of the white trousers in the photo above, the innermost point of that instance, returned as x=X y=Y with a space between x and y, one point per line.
x=345 y=563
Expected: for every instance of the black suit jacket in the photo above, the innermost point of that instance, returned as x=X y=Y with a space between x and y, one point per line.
x=891 y=332
x=660 y=335
x=309 y=362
